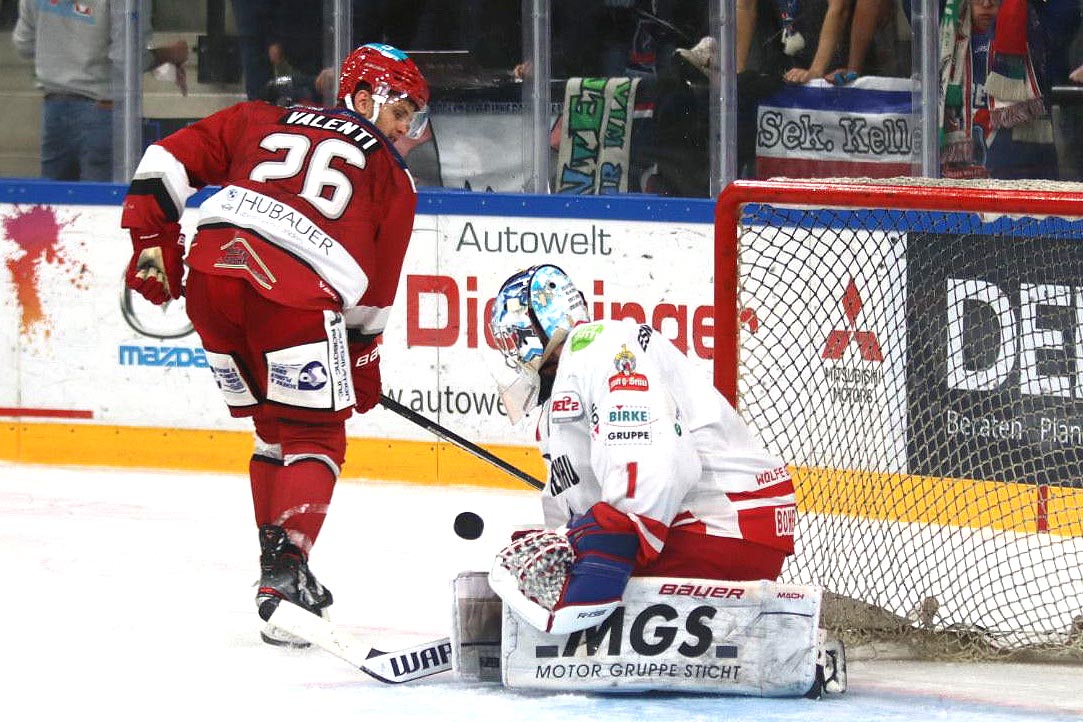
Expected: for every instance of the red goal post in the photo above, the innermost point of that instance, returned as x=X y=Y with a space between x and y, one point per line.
x=914 y=349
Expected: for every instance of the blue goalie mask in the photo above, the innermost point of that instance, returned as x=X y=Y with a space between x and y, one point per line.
x=532 y=314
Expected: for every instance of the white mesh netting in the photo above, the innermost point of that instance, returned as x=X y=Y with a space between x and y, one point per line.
x=540 y=562
x=922 y=372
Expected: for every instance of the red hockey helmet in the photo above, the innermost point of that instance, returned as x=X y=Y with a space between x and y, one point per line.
x=391 y=75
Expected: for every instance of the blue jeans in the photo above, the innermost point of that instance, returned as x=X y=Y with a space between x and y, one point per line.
x=76 y=139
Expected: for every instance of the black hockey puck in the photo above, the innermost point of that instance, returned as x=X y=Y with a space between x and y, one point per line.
x=468 y=525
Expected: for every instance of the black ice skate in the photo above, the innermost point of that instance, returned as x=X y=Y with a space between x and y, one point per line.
x=284 y=574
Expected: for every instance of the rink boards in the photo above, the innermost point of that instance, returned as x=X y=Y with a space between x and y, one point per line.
x=98 y=373
x=101 y=378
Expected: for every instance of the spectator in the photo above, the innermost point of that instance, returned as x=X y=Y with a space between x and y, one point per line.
x=996 y=122
x=74 y=47
x=613 y=38
x=591 y=38
x=9 y=10
x=679 y=148
x=835 y=18
x=387 y=21
x=279 y=39
x=747 y=17
x=869 y=17
x=1060 y=23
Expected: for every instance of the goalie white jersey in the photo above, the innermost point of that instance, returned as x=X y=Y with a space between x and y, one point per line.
x=633 y=423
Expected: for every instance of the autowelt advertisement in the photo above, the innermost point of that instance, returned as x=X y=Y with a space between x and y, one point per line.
x=81 y=350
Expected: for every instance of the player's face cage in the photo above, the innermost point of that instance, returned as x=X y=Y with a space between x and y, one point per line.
x=533 y=306
x=514 y=325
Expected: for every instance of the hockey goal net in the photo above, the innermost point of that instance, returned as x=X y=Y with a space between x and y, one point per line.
x=915 y=353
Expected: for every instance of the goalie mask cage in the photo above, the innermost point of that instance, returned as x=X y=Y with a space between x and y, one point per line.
x=915 y=353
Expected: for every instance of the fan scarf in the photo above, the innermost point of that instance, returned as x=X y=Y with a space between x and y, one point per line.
x=1014 y=99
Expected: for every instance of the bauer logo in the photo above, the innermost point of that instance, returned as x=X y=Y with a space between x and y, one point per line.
x=995 y=358
x=706 y=591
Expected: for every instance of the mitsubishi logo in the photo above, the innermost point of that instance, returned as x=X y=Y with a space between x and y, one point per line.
x=839 y=339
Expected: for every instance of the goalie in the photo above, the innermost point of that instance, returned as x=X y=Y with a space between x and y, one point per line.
x=651 y=473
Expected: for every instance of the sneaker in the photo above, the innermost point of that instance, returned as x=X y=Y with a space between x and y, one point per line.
x=699 y=55
x=284 y=574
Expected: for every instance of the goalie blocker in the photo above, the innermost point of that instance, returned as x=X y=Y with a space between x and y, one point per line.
x=680 y=635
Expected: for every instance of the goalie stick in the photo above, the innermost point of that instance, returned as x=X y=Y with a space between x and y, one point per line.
x=405 y=665
x=426 y=423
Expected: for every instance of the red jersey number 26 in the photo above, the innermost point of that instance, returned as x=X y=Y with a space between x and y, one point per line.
x=319 y=175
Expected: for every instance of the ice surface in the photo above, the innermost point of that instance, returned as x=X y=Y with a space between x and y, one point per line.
x=128 y=595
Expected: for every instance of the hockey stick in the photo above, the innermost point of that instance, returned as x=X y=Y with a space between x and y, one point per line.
x=426 y=423
x=405 y=665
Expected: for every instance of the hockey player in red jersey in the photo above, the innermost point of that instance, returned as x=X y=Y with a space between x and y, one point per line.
x=651 y=471
x=291 y=277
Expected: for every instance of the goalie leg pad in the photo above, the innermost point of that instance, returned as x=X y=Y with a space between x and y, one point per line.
x=680 y=635
x=475 y=628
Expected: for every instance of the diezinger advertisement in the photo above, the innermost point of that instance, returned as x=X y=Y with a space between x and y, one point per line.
x=83 y=352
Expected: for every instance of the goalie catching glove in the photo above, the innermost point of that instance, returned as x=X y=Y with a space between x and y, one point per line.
x=562 y=583
x=157 y=264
